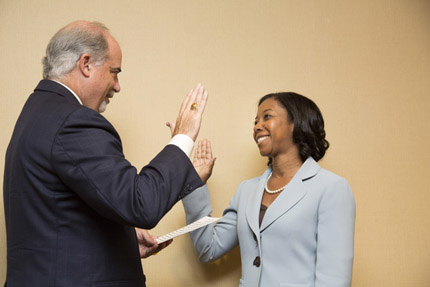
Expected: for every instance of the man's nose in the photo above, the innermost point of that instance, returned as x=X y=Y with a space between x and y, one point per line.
x=117 y=87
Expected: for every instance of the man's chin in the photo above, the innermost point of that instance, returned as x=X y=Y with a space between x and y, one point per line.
x=103 y=107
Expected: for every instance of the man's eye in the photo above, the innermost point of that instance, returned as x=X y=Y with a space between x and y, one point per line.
x=115 y=71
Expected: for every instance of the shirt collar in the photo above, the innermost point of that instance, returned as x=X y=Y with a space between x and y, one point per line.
x=70 y=90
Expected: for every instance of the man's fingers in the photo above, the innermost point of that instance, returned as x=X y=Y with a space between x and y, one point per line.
x=189 y=119
x=190 y=98
x=185 y=102
x=202 y=99
x=197 y=96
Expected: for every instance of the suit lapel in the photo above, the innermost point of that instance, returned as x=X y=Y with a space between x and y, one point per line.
x=254 y=203
x=291 y=195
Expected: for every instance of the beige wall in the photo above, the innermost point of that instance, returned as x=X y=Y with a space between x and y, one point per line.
x=365 y=63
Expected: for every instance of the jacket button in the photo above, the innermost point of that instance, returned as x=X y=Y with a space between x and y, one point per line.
x=257 y=261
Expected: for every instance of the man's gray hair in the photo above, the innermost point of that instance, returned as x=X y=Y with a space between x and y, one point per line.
x=68 y=44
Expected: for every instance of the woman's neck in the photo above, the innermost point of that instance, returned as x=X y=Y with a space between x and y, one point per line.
x=286 y=166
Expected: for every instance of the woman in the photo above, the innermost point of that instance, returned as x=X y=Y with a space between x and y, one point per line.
x=294 y=223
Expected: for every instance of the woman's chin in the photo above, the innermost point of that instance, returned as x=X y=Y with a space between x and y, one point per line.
x=264 y=153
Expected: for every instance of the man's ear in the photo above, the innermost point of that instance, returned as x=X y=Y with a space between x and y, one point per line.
x=84 y=65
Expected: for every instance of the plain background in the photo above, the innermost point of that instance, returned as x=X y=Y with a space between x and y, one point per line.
x=365 y=63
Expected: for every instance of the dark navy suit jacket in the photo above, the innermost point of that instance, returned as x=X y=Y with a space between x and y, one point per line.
x=72 y=199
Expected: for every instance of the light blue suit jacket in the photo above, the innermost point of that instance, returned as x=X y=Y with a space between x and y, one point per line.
x=306 y=238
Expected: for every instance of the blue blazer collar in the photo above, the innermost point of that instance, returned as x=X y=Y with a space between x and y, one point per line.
x=254 y=203
x=292 y=194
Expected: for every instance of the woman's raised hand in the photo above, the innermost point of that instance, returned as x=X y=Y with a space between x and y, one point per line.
x=203 y=160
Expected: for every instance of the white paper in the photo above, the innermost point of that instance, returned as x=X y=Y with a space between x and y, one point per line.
x=190 y=227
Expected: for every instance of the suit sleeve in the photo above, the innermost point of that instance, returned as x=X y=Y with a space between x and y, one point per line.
x=335 y=238
x=214 y=240
x=87 y=156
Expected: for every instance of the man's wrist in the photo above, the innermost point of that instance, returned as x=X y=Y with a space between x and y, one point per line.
x=184 y=142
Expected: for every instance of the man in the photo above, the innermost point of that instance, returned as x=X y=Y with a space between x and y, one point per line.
x=71 y=198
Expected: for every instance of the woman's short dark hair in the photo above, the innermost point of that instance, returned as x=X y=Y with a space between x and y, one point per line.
x=309 y=133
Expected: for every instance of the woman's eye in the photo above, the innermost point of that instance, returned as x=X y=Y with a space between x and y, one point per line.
x=266 y=117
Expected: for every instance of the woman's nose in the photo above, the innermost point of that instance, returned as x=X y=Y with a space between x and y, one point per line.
x=257 y=126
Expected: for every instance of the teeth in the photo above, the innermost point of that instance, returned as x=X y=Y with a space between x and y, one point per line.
x=261 y=139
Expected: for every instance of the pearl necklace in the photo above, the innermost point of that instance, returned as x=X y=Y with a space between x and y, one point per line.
x=274 y=191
